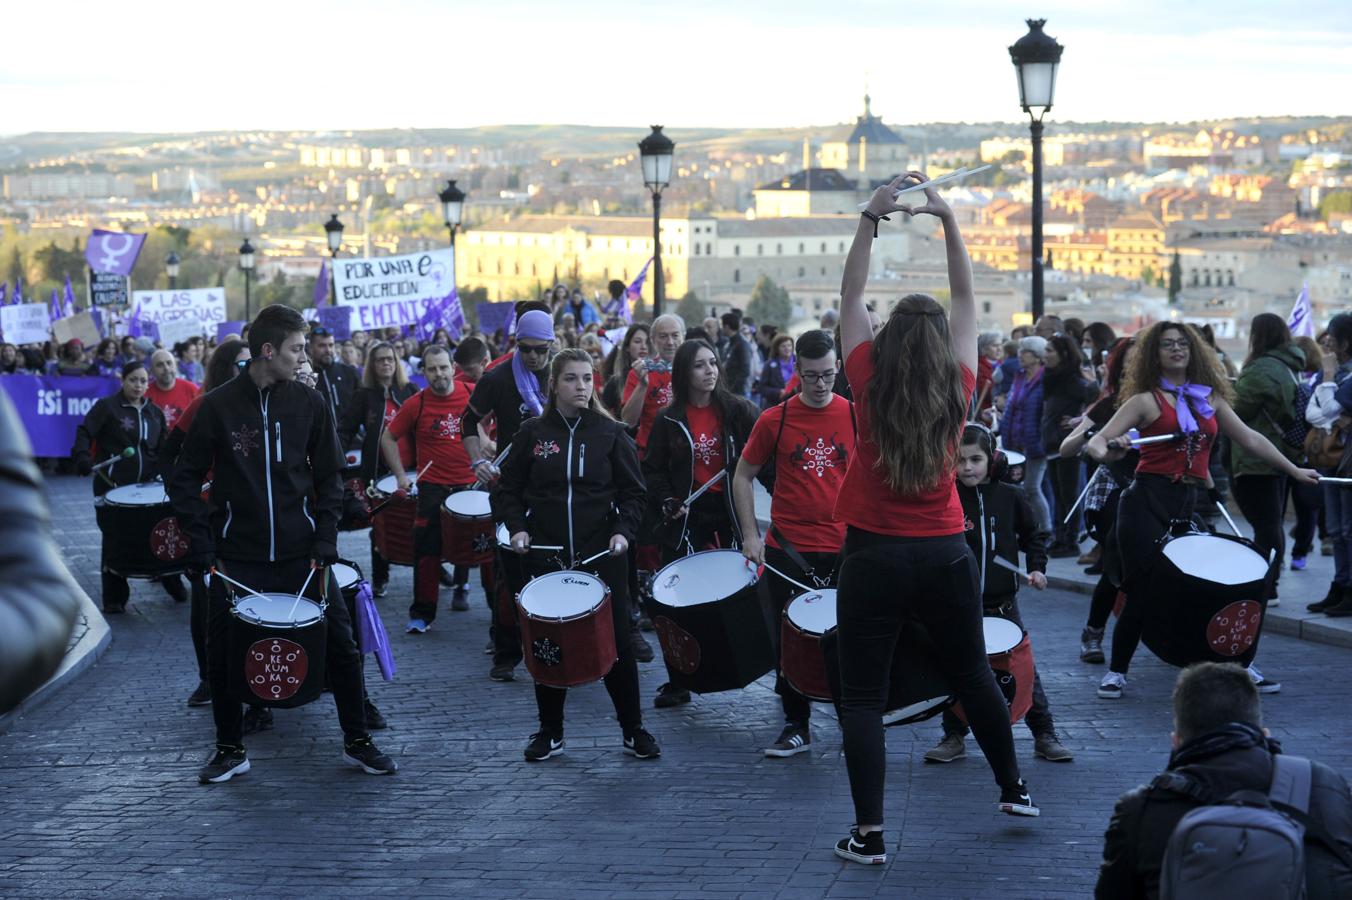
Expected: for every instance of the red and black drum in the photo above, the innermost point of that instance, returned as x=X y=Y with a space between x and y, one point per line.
x=1206 y=598
x=392 y=527
x=467 y=533
x=566 y=628
x=277 y=649
x=1011 y=657
x=807 y=619
x=917 y=689
x=707 y=615
x=141 y=536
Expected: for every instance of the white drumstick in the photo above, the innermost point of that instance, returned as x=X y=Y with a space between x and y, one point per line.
x=1225 y=512
x=1006 y=564
x=791 y=581
x=1076 y=504
x=292 y=615
x=591 y=559
x=414 y=480
x=501 y=456
x=704 y=487
x=243 y=587
x=942 y=180
x=1329 y=479
x=1156 y=439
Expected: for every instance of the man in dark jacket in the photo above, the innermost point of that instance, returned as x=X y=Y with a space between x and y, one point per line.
x=1220 y=746
x=275 y=502
x=737 y=359
x=337 y=382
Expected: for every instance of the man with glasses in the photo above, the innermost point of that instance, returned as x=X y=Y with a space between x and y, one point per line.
x=648 y=387
x=509 y=394
x=809 y=439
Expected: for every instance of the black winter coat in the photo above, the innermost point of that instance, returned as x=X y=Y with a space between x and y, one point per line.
x=574 y=485
x=114 y=424
x=1063 y=394
x=338 y=384
x=272 y=451
x=367 y=411
x=999 y=522
x=669 y=466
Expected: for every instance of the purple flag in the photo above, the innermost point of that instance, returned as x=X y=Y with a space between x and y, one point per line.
x=68 y=301
x=1301 y=320
x=4 y=289
x=113 y=251
x=18 y=291
x=621 y=306
x=509 y=327
x=371 y=636
x=55 y=308
x=322 y=284
x=134 y=322
x=444 y=313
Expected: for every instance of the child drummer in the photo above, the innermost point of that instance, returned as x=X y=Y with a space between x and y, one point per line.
x=999 y=523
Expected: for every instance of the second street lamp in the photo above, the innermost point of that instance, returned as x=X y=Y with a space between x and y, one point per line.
x=655 y=152
x=246 y=262
x=452 y=207
x=171 y=267
x=1036 y=57
x=333 y=231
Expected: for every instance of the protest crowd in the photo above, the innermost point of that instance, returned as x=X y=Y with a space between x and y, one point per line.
x=629 y=452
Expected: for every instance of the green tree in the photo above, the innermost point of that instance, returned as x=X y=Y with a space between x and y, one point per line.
x=56 y=264
x=1175 y=278
x=15 y=269
x=1335 y=203
x=770 y=304
x=691 y=309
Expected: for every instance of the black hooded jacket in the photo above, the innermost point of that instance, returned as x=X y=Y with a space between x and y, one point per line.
x=338 y=383
x=272 y=450
x=367 y=411
x=999 y=522
x=111 y=426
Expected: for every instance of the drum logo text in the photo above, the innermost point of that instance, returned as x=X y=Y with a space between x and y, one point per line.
x=275 y=668
x=546 y=651
x=568 y=579
x=1233 y=630
x=679 y=647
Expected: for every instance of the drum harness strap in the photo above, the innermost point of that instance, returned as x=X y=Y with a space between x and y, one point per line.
x=802 y=563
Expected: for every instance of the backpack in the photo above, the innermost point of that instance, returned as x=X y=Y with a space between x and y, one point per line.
x=1324 y=449
x=1249 y=845
x=1295 y=434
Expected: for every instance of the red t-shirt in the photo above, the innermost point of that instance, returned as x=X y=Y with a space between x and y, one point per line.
x=707 y=432
x=1190 y=456
x=493 y=364
x=435 y=424
x=866 y=501
x=659 y=395
x=173 y=401
x=810 y=462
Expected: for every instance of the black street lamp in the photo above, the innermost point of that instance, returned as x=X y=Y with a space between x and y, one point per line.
x=655 y=152
x=333 y=230
x=171 y=266
x=246 y=262
x=1036 y=57
x=452 y=207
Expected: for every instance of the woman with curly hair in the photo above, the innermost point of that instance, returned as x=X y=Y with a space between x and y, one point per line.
x=1174 y=385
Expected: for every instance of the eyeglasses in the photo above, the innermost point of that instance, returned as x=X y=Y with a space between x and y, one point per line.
x=534 y=349
x=814 y=377
x=320 y=331
x=1175 y=345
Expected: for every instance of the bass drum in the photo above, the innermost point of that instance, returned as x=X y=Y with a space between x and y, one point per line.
x=1011 y=657
x=917 y=689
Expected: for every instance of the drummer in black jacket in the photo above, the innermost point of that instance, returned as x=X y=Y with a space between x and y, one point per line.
x=337 y=382
x=1000 y=523
x=700 y=435
x=115 y=424
x=272 y=446
x=572 y=479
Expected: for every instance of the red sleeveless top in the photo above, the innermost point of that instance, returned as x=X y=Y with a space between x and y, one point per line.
x=1190 y=455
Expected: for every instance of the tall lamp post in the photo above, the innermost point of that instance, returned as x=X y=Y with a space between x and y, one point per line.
x=1036 y=57
x=246 y=262
x=655 y=152
x=333 y=230
x=171 y=266
x=452 y=208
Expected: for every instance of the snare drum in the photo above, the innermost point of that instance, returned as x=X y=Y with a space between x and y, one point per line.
x=807 y=618
x=708 y=618
x=1010 y=654
x=566 y=628
x=349 y=578
x=392 y=527
x=141 y=535
x=1014 y=467
x=277 y=649
x=1205 y=600
x=917 y=690
x=467 y=529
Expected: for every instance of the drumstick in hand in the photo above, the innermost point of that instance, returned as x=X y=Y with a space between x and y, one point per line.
x=797 y=584
x=704 y=487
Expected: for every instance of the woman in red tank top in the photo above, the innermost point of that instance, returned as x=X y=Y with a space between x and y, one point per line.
x=1174 y=386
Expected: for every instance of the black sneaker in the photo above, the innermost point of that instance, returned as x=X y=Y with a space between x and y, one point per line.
x=379 y=589
x=225 y=763
x=668 y=695
x=1015 y=801
x=490 y=648
x=201 y=696
x=374 y=720
x=868 y=849
x=256 y=719
x=460 y=599
x=643 y=651
x=794 y=739
x=364 y=755
x=641 y=745
x=543 y=745
x=503 y=672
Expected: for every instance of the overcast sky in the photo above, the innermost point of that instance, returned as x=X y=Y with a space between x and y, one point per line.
x=145 y=65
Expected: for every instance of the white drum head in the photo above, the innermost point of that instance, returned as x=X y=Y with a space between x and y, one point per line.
x=814 y=613
x=562 y=595
x=469 y=504
x=1014 y=458
x=387 y=485
x=275 y=610
x=914 y=709
x=1002 y=635
x=504 y=538
x=704 y=577
x=150 y=493
x=1213 y=559
x=346 y=575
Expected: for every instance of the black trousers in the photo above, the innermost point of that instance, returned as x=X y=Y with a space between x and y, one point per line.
x=886 y=581
x=380 y=566
x=510 y=577
x=198 y=625
x=778 y=593
x=1065 y=478
x=342 y=660
x=1101 y=604
x=116 y=591
x=1308 y=499
x=427 y=552
x=1039 y=717
x=1262 y=500
x=622 y=679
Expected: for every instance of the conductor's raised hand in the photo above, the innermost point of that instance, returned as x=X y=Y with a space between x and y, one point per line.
x=934 y=205
x=884 y=202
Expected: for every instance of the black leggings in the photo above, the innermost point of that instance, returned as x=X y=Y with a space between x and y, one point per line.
x=1065 y=475
x=1101 y=605
x=1262 y=500
x=886 y=581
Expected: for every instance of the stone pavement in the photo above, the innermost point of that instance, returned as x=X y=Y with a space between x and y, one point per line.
x=98 y=795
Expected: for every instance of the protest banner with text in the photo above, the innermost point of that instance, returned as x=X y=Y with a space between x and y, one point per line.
x=53 y=406
x=107 y=289
x=393 y=290
x=25 y=323
x=205 y=307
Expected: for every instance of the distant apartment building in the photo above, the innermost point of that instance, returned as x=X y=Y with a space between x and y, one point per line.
x=1135 y=244
x=1064 y=149
x=1217 y=147
x=69 y=186
x=811 y=192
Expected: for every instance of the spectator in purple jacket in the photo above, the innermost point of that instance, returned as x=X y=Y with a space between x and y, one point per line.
x=1021 y=428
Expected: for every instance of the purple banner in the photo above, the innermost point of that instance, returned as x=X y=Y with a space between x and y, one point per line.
x=337 y=319
x=113 y=251
x=226 y=329
x=493 y=316
x=53 y=406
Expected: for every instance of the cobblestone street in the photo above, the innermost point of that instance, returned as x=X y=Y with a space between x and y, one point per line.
x=99 y=796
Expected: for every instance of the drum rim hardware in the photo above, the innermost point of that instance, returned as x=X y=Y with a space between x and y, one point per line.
x=569 y=618
x=323 y=604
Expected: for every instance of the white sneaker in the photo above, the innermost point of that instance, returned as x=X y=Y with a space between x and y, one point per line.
x=1264 y=685
x=1110 y=688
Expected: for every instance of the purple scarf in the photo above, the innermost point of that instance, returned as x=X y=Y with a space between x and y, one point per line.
x=1197 y=394
x=528 y=385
